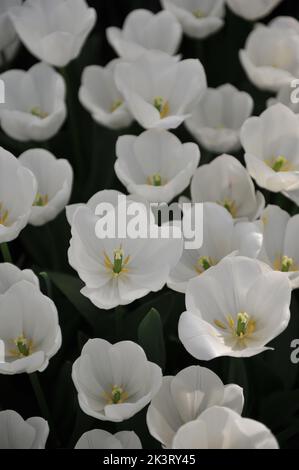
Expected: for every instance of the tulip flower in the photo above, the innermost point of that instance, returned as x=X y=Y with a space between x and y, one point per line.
x=234 y=309
x=270 y=57
x=16 y=433
x=217 y=120
x=114 y=382
x=11 y=275
x=99 y=439
x=221 y=237
x=155 y=165
x=198 y=18
x=160 y=91
x=254 y=9
x=184 y=397
x=144 y=31
x=54 y=184
x=99 y=95
x=226 y=182
x=280 y=242
x=18 y=190
x=34 y=107
x=29 y=329
x=55 y=31
x=221 y=428
x=271 y=144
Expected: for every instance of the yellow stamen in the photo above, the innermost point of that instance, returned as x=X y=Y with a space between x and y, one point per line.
x=117 y=395
x=242 y=327
x=285 y=264
x=279 y=163
x=36 y=111
x=24 y=347
x=199 y=14
x=119 y=264
x=155 y=180
x=40 y=200
x=203 y=264
x=230 y=206
x=162 y=106
x=3 y=215
x=115 y=105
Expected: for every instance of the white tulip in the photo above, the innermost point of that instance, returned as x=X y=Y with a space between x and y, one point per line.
x=226 y=182
x=287 y=23
x=116 y=270
x=198 y=18
x=221 y=428
x=234 y=309
x=144 y=30
x=216 y=121
x=271 y=57
x=100 y=96
x=55 y=31
x=11 y=275
x=34 y=107
x=254 y=9
x=16 y=433
x=160 y=91
x=285 y=96
x=7 y=31
x=155 y=165
x=99 y=439
x=29 y=329
x=114 y=382
x=54 y=184
x=271 y=144
x=280 y=242
x=221 y=237
x=182 y=398
x=17 y=193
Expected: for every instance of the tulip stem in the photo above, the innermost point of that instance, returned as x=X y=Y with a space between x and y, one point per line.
x=6 y=253
x=39 y=394
x=73 y=127
x=47 y=281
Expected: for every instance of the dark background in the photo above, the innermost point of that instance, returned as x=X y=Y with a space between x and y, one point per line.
x=270 y=380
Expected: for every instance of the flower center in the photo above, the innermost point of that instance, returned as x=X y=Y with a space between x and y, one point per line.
x=203 y=264
x=115 y=105
x=230 y=206
x=36 y=111
x=279 y=163
x=241 y=327
x=119 y=264
x=198 y=13
x=3 y=215
x=155 y=180
x=41 y=200
x=117 y=395
x=24 y=347
x=285 y=264
x=162 y=106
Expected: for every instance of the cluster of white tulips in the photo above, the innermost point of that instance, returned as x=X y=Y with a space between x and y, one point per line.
x=237 y=285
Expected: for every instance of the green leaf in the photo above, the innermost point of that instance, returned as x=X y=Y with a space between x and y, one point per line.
x=151 y=339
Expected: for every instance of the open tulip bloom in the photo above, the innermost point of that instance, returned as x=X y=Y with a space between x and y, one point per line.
x=16 y=433
x=280 y=248
x=254 y=9
x=221 y=428
x=221 y=237
x=155 y=165
x=99 y=95
x=29 y=329
x=34 y=107
x=54 y=184
x=185 y=397
x=271 y=144
x=234 y=309
x=226 y=182
x=217 y=119
x=99 y=439
x=17 y=193
x=63 y=27
x=199 y=18
x=144 y=31
x=114 y=382
x=271 y=57
x=160 y=91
